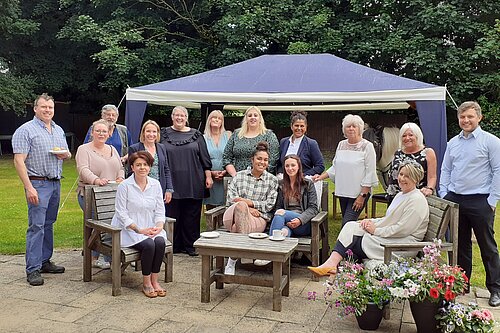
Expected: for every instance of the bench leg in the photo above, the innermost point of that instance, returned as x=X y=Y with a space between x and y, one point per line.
x=205 y=278
x=87 y=256
x=116 y=274
x=277 y=274
x=286 y=272
x=169 y=265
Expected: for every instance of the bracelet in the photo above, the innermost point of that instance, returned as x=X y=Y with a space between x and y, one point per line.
x=429 y=188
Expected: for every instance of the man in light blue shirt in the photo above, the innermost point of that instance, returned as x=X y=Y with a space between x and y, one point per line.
x=39 y=150
x=470 y=176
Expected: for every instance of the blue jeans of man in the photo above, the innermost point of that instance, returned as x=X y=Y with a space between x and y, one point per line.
x=279 y=222
x=41 y=218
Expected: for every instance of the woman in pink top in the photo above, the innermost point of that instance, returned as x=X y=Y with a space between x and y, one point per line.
x=98 y=164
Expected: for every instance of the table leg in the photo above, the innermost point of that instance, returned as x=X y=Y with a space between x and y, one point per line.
x=286 y=272
x=277 y=274
x=219 y=266
x=205 y=278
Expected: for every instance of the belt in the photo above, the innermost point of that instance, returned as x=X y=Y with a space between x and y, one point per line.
x=43 y=178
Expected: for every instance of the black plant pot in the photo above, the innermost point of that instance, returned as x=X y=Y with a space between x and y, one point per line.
x=371 y=318
x=424 y=313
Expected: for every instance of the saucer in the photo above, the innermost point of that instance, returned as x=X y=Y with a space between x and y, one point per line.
x=257 y=235
x=277 y=238
x=210 y=234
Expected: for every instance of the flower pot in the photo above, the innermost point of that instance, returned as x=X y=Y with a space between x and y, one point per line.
x=424 y=313
x=371 y=318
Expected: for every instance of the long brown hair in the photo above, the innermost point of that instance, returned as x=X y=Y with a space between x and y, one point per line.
x=289 y=191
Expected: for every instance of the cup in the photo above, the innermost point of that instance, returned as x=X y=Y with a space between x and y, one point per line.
x=277 y=234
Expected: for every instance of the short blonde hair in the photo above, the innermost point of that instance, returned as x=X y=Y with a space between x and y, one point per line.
x=106 y=123
x=355 y=120
x=415 y=130
x=415 y=170
x=469 y=105
x=244 y=126
x=208 y=129
x=142 y=137
x=183 y=110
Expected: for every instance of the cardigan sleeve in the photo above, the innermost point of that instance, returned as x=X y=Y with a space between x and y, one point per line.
x=82 y=159
x=228 y=155
x=274 y=151
x=411 y=221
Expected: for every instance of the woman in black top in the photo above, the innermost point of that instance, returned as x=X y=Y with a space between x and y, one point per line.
x=190 y=167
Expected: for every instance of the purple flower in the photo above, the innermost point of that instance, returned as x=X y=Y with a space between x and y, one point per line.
x=311 y=295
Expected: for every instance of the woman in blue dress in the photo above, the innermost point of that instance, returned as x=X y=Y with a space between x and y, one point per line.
x=216 y=137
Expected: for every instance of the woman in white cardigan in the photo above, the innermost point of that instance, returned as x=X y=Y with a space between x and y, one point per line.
x=406 y=221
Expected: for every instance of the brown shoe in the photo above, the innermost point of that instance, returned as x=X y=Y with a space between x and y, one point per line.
x=149 y=292
x=325 y=271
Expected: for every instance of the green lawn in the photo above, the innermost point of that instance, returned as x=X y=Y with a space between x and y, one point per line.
x=68 y=228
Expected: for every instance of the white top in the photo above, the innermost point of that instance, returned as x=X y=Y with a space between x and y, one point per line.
x=145 y=209
x=293 y=147
x=353 y=166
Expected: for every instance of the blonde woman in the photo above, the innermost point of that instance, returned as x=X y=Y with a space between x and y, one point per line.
x=216 y=137
x=241 y=145
x=149 y=141
x=411 y=147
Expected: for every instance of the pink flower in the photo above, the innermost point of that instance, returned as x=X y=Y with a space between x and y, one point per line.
x=487 y=315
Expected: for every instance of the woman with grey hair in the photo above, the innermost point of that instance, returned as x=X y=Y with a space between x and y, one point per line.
x=411 y=147
x=406 y=221
x=353 y=169
x=190 y=165
x=119 y=137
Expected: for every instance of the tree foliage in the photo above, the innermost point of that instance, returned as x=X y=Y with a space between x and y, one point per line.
x=74 y=48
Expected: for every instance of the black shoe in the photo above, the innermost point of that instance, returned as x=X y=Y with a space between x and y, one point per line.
x=50 y=267
x=192 y=252
x=34 y=278
x=494 y=299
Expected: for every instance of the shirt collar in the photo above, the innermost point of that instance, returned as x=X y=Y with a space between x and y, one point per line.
x=248 y=172
x=474 y=133
x=297 y=141
x=41 y=123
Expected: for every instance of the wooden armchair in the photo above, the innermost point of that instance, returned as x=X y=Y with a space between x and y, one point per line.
x=316 y=247
x=99 y=210
x=443 y=215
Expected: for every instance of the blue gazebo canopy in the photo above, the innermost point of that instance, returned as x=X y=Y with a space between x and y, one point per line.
x=312 y=82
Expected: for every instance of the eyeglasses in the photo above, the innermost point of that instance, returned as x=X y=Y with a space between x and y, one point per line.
x=101 y=131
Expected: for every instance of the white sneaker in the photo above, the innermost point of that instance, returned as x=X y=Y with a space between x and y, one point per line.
x=100 y=263
x=261 y=262
x=230 y=269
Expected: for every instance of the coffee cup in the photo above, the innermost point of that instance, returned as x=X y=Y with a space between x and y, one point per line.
x=277 y=234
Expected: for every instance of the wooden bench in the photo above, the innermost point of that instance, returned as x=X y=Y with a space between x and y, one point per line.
x=98 y=212
x=315 y=247
x=443 y=216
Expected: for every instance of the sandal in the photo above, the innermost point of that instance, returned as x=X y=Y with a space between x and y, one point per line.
x=161 y=292
x=149 y=292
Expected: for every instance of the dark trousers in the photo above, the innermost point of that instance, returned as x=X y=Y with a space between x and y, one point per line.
x=152 y=252
x=349 y=214
x=187 y=213
x=357 y=251
x=476 y=214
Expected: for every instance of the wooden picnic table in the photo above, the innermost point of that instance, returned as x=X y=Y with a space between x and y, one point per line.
x=242 y=246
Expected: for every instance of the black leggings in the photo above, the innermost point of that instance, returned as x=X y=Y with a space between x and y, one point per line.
x=355 y=247
x=152 y=253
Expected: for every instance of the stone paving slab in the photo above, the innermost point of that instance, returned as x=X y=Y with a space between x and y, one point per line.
x=67 y=304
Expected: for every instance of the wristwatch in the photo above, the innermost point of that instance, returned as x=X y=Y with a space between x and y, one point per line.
x=364 y=195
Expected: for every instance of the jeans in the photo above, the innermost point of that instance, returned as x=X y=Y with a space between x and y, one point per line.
x=81 y=202
x=41 y=218
x=279 y=222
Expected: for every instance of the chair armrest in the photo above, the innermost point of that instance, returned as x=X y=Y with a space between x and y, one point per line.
x=320 y=217
x=215 y=211
x=102 y=227
x=168 y=226
x=417 y=246
x=212 y=216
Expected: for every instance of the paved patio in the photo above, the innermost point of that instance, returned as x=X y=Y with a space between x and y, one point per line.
x=66 y=304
